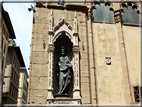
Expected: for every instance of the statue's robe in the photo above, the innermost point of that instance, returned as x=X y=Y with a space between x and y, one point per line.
x=61 y=2
x=64 y=74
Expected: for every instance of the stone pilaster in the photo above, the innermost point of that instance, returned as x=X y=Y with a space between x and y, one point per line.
x=93 y=84
x=76 y=91
x=118 y=21
x=51 y=21
x=50 y=71
x=75 y=23
x=51 y=58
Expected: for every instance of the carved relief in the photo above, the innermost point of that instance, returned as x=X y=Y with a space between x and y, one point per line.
x=108 y=60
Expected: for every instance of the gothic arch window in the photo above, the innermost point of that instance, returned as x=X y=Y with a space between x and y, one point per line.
x=102 y=12
x=130 y=13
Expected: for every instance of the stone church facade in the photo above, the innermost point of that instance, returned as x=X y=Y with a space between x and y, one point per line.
x=102 y=41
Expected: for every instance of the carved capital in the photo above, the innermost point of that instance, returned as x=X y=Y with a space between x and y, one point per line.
x=117 y=16
x=50 y=32
x=51 y=48
x=75 y=34
x=75 y=48
x=90 y=15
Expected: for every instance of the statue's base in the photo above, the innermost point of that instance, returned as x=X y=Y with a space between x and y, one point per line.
x=64 y=101
x=61 y=96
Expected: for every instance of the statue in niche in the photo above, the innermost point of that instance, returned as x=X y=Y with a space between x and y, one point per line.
x=64 y=72
x=61 y=2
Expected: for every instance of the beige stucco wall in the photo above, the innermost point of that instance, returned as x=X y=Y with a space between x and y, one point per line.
x=132 y=44
x=109 y=77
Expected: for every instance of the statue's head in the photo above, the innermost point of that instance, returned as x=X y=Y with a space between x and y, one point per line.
x=62 y=51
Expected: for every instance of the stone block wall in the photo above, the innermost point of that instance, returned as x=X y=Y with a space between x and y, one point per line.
x=39 y=56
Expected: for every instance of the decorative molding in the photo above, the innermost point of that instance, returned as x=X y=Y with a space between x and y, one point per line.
x=75 y=23
x=134 y=5
x=51 y=21
x=90 y=14
x=63 y=101
x=117 y=16
x=63 y=21
x=63 y=26
x=60 y=33
x=105 y=2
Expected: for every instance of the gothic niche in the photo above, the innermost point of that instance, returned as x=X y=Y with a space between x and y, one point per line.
x=63 y=45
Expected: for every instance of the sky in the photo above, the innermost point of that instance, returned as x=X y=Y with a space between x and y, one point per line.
x=21 y=20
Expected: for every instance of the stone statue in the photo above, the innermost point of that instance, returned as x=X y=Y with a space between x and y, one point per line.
x=61 y=2
x=64 y=73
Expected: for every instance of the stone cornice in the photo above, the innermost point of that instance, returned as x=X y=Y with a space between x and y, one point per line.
x=66 y=6
x=40 y=4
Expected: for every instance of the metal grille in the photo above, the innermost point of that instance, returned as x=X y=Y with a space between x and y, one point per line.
x=136 y=94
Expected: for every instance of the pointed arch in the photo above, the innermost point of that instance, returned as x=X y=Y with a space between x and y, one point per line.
x=63 y=21
x=130 y=12
x=63 y=26
x=60 y=33
x=102 y=12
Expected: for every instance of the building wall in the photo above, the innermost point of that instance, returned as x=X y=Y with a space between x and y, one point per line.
x=109 y=77
x=132 y=44
x=11 y=78
x=4 y=42
x=39 y=59
x=23 y=88
x=20 y=89
x=99 y=83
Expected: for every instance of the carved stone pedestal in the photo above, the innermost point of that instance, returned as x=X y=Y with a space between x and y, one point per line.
x=64 y=101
